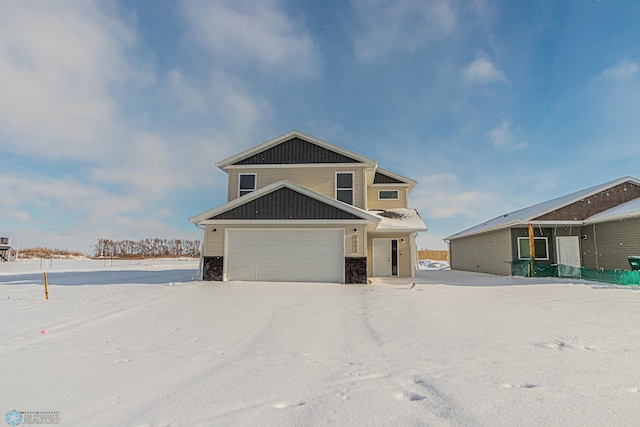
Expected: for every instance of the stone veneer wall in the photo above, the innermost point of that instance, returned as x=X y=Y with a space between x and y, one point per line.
x=355 y=270
x=212 y=268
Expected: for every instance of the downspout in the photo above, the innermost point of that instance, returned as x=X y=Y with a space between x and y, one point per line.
x=201 y=263
x=414 y=254
x=595 y=245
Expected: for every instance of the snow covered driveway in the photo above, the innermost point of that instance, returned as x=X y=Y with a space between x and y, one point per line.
x=141 y=344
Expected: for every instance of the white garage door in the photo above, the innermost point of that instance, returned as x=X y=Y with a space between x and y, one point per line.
x=301 y=255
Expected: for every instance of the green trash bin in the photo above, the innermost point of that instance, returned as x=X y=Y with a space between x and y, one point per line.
x=634 y=262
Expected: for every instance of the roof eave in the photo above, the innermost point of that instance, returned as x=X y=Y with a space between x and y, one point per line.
x=205 y=216
x=294 y=133
x=404 y=179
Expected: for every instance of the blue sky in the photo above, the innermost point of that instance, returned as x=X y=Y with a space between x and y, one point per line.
x=113 y=114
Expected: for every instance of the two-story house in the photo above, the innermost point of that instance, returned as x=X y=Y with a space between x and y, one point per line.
x=302 y=209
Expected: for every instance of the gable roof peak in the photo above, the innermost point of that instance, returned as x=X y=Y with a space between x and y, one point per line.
x=283 y=183
x=344 y=154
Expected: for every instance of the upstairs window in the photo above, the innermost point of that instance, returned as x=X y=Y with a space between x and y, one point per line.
x=247 y=183
x=344 y=187
x=388 y=195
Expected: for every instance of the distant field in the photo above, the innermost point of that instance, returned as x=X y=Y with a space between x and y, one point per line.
x=433 y=255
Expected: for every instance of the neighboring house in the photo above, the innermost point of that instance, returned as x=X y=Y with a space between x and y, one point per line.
x=302 y=209
x=596 y=228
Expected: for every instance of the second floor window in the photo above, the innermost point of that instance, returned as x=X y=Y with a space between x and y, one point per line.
x=247 y=183
x=344 y=187
x=388 y=195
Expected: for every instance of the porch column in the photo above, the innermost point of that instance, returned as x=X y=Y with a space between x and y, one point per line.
x=532 y=252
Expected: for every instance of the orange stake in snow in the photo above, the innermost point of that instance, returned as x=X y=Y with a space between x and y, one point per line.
x=46 y=286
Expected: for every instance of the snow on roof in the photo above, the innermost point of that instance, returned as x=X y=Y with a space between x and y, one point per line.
x=399 y=219
x=525 y=215
x=629 y=209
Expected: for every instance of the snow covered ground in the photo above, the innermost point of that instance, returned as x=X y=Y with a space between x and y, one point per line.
x=140 y=343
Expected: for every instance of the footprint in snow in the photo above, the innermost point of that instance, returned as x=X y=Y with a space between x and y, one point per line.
x=554 y=345
x=283 y=404
x=410 y=396
x=519 y=386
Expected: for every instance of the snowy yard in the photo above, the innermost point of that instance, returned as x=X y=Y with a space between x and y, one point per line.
x=140 y=343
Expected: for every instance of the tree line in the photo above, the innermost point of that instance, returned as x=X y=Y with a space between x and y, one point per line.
x=147 y=248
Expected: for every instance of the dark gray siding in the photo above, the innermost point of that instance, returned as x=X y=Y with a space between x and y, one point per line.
x=607 y=245
x=285 y=204
x=549 y=233
x=485 y=253
x=597 y=203
x=296 y=151
x=380 y=178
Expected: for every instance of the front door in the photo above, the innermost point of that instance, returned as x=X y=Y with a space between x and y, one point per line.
x=385 y=257
x=568 y=256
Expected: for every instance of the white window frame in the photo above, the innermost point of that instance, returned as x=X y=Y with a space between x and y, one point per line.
x=246 y=190
x=353 y=193
x=546 y=241
x=397 y=197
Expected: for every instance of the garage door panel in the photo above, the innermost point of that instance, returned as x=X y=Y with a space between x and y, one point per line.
x=245 y=273
x=324 y=263
x=278 y=248
x=298 y=262
x=244 y=247
x=298 y=248
x=270 y=275
x=299 y=235
x=270 y=262
x=285 y=255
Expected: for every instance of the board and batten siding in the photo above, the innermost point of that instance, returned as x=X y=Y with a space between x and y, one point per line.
x=354 y=241
x=374 y=203
x=405 y=262
x=607 y=245
x=484 y=253
x=320 y=179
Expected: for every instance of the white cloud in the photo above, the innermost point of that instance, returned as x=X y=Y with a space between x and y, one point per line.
x=189 y=99
x=57 y=61
x=482 y=70
x=624 y=70
x=502 y=137
x=388 y=26
x=246 y=32
x=440 y=196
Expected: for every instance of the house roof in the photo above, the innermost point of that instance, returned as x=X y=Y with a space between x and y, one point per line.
x=630 y=209
x=359 y=158
x=529 y=214
x=355 y=212
x=392 y=178
x=399 y=219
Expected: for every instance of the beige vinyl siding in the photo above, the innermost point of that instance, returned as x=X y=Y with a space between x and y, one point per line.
x=405 y=263
x=484 y=253
x=374 y=203
x=615 y=241
x=354 y=241
x=321 y=179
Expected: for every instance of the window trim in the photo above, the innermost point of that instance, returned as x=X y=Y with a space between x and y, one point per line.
x=353 y=193
x=397 y=197
x=246 y=190
x=546 y=241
